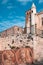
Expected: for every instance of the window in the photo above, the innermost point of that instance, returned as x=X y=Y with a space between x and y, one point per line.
x=0 y=34
x=32 y=11
x=42 y=32
x=42 y=21
x=18 y=29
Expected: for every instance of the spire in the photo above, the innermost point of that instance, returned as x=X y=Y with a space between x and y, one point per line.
x=33 y=5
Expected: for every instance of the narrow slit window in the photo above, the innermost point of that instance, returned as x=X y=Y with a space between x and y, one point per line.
x=42 y=21
x=42 y=32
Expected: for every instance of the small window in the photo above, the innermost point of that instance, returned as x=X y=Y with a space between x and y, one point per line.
x=18 y=29
x=42 y=32
x=42 y=21
x=32 y=11
x=27 y=13
x=0 y=34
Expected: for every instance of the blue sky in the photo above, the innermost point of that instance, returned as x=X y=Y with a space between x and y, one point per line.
x=12 y=12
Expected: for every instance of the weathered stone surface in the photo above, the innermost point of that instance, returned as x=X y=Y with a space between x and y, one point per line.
x=21 y=41
x=17 y=56
x=18 y=40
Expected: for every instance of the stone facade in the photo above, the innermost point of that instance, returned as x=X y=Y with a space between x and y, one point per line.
x=34 y=21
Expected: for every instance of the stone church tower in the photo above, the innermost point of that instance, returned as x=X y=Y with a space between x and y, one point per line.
x=30 y=20
x=33 y=19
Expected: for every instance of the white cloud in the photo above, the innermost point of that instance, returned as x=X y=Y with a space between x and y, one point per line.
x=5 y=25
x=9 y=7
x=20 y=17
x=9 y=3
x=11 y=13
x=19 y=23
x=40 y=1
x=4 y=1
x=15 y=22
x=40 y=10
x=24 y=2
x=10 y=17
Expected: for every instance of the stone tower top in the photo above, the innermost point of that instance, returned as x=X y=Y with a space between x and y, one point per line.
x=33 y=8
x=33 y=5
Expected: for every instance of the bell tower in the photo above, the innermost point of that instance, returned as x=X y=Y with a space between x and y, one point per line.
x=33 y=9
x=30 y=20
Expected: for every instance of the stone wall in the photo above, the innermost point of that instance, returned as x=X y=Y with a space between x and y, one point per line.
x=19 y=46
x=38 y=48
x=18 y=40
x=12 y=31
x=22 y=41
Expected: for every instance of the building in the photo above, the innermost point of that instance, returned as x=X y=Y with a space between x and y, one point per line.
x=14 y=38
x=34 y=21
x=33 y=25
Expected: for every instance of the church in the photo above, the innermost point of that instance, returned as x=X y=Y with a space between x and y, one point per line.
x=27 y=40
x=33 y=24
x=34 y=21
